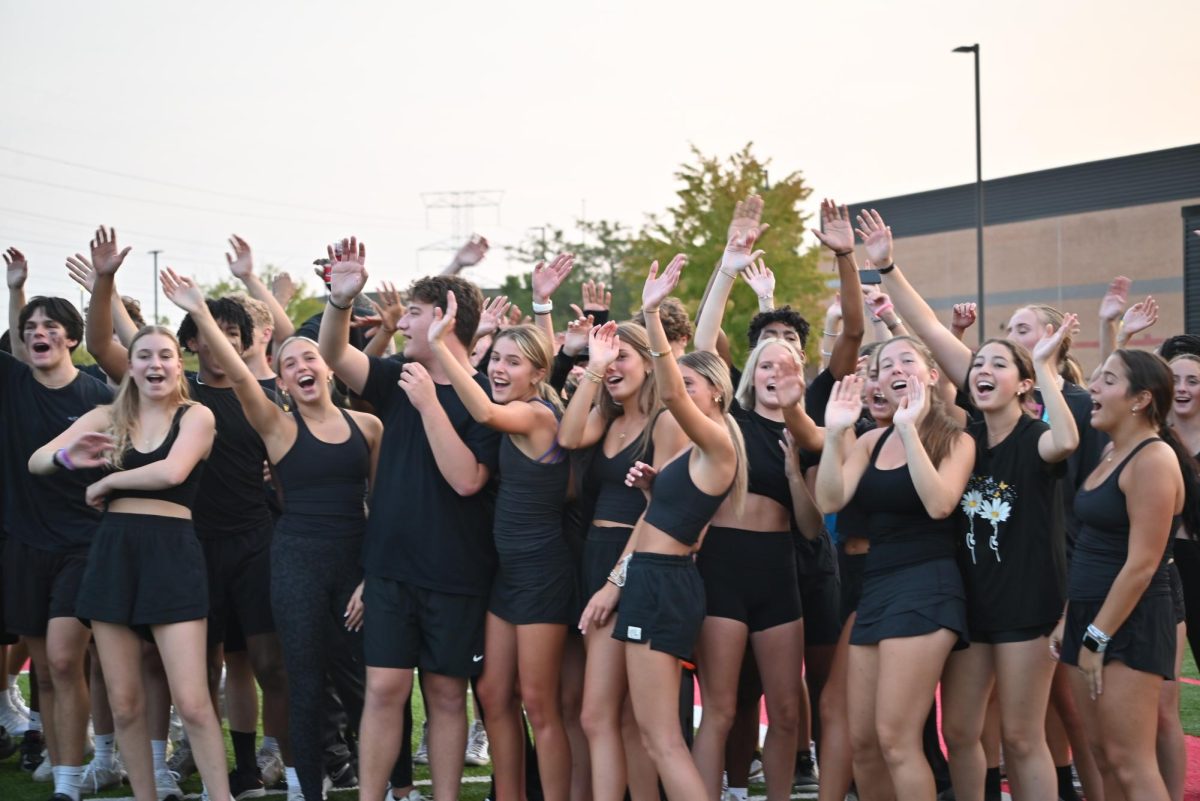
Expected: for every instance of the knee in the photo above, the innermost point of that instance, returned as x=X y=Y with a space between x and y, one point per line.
x=785 y=715
x=444 y=701
x=599 y=717
x=64 y=668
x=1021 y=742
x=194 y=708
x=662 y=745
x=719 y=713
x=542 y=708
x=863 y=741
x=960 y=735
x=386 y=693
x=895 y=744
x=127 y=705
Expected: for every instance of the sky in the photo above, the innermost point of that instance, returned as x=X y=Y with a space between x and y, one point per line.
x=295 y=123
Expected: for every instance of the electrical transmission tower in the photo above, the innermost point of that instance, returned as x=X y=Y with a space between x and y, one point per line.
x=462 y=205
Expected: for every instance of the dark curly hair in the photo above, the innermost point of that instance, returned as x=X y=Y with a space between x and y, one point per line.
x=1178 y=345
x=226 y=311
x=675 y=320
x=60 y=310
x=784 y=314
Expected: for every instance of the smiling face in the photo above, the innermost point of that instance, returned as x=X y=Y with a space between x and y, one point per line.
x=155 y=366
x=701 y=390
x=878 y=405
x=1185 y=402
x=995 y=379
x=200 y=346
x=1112 y=402
x=512 y=375
x=900 y=362
x=46 y=340
x=303 y=374
x=625 y=376
x=414 y=324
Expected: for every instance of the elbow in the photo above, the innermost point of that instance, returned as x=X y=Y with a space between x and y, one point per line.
x=827 y=503
x=941 y=508
x=569 y=440
x=174 y=475
x=36 y=466
x=465 y=489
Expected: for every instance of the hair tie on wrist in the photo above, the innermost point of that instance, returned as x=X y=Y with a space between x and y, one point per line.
x=843 y=253
x=886 y=270
x=340 y=308
x=64 y=459
x=658 y=354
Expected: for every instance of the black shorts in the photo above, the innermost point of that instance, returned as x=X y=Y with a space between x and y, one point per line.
x=39 y=585
x=750 y=576
x=1002 y=636
x=820 y=589
x=601 y=552
x=143 y=570
x=535 y=588
x=239 y=584
x=406 y=626
x=1145 y=642
x=910 y=601
x=662 y=604
x=5 y=637
x=850 y=568
x=1177 y=592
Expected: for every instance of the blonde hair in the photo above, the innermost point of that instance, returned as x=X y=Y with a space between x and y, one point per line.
x=745 y=390
x=1068 y=366
x=259 y=312
x=938 y=430
x=283 y=346
x=534 y=345
x=716 y=372
x=648 y=399
x=124 y=410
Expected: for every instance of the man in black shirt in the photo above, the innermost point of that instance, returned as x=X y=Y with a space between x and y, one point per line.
x=428 y=555
x=47 y=523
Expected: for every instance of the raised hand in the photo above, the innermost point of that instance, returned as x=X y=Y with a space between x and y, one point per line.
x=595 y=298
x=761 y=279
x=1047 y=347
x=106 y=259
x=845 y=404
x=659 y=287
x=791 y=456
x=349 y=271
x=16 y=269
x=913 y=406
x=492 y=314
x=443 y=322
x=789 y=381
x=1115 y=299
x=577 y=332
x=549 y=277
x=284 y=288
x=241 y=263
x=80 y=271
x=833 y=312
x=878 y=302
x=90 y=450
x=744 y=231
x=963 y=316
x=603 y=347
x=835 y=233
x=1140 y=316
x=514 y=317
x=472 y=251
x=391 y=309
x=747 y=219
x=182 y=291
x=876 y=237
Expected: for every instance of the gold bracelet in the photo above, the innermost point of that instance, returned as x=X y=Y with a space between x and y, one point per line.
x=649 y=311
x=659 y=354
x=593 y=376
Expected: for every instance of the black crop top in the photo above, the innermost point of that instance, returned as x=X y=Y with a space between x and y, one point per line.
x=677 y=506
x=764 y=457
x=616 y=502
x=900 y=530
x=184 y=493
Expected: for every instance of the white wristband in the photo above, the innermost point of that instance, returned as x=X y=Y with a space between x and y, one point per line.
x=543 y=308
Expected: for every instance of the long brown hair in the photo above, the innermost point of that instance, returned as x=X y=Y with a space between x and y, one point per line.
x=533 y=344
x=1068 y=366
x=123 y=412
x=1021 y=359
x=648 y=399
x=716 y=372
x=938 y=430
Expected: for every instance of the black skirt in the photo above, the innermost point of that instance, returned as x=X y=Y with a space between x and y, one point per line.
x=910 y=601
x=538 y=587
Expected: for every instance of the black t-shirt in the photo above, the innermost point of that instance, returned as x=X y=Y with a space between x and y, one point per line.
x=420 y=531
x=45 y=512
x=1012 y=546
x=231 y=498
x=1083 y=461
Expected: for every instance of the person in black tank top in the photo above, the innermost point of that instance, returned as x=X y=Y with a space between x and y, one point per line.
x=323 y=458
x=533 y=591
x=145 y=572
x=912 y=610
x=1119 y=626
x=615 y=409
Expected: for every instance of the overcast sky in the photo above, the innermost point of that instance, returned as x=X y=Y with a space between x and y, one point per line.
x=329 y=119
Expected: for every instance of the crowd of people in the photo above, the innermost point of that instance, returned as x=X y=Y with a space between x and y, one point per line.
x=574 y=525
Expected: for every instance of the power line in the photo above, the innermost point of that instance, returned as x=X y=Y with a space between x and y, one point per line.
x=173 y=185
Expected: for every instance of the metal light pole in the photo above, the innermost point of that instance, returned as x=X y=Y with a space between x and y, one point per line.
x=155 y=253
x=983 y=332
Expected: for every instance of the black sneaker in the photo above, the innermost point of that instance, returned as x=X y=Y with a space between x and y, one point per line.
x=806 y=773
x=8 y=746
x=343 y=777
x=61 y=797
x=31 y=750
x=244 y=785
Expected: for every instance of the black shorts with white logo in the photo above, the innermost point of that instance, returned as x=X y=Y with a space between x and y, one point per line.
x=39 y=585
x=662 y=604
x=405 y=626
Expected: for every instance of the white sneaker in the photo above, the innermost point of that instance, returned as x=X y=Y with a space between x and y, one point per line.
x=413 y=795
x=97 y=778
x=175 y=727
x=756 y=771
x=11 y=718
x=166 y=785
x=45 y=771
x=18 y=700
x=421 y=756
x=477 y=746
x=181 y=762
x=270 y=768
x=294 y=794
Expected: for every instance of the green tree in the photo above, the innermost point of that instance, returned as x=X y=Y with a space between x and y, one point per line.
x=304 y=303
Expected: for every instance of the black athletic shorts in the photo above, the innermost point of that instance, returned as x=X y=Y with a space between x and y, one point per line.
x=1146 y=641
x=750 y=576
x=662 y=604
x=910 y=601
x=1003 y=636
x=850 y=581
x=143 y=570
x=820 y=590
x=39 y=585
x=535 y=588
x=601 y=551
x=5 y=637
x=405 y=626
x=239 y=583
x=1177 y=592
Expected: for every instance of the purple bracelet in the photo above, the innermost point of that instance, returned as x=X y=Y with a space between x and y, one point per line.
x=64 y=459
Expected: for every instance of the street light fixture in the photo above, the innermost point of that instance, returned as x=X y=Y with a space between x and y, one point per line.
x=978 y=195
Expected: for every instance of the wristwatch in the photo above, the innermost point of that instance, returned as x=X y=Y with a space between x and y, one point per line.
x=1095 y=640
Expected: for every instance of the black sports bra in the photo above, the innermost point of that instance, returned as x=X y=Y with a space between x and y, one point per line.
x=677 y=506
x=183 y=494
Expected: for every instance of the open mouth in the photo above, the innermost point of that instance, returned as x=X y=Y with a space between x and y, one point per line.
x=40 y=347
x=878 y=399
x=306 y=381
x=1095 y=406
x=770 y=386
x=499 y=383
x=155 y=378
x=899 y=385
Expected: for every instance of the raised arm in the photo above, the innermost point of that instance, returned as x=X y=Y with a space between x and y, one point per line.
x=272 y=423
x=940 y=487
x=1112 y=306
x=739 y=254
x=545 y=280
x=470 y=254
x=951 y=354
x=112 y=357
x=389 y=311
x=582 y=424
x=79 y=269
x=83 y=446
x=16 y=270
x=789 y=388
x=348 y=277
x=962 y=317
x=1137 y=319
x=241 y=264
x=843 y=458
x=837 y=235
x=761 y=280
x=1063 y=437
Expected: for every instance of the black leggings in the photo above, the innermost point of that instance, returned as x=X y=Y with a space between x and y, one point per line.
x=1187 y=559
x=312 y=580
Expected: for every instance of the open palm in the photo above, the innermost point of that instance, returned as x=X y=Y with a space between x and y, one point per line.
x=659 y=286
x=443 y=321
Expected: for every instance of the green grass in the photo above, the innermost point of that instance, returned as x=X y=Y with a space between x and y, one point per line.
x=16 y=785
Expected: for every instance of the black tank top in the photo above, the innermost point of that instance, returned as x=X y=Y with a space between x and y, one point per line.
x=616 y=502
x=764 y=458
x=677 y=506
x=901 y=531
x=183 y=494
x=529 y=502
x=1102 y=545
x=324 y=484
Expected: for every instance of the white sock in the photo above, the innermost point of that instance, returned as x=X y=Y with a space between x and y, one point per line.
x=104 y=750
x=68 y=780
x=35 y=721
x=290 y=777
x=159 y=749
x=12 y=679
x=270 y=745
x=738 y=792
